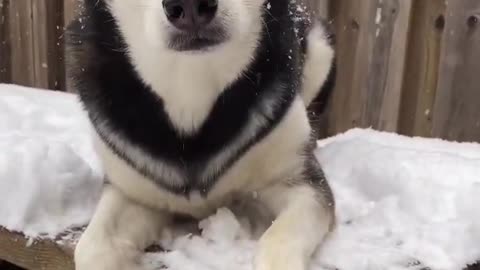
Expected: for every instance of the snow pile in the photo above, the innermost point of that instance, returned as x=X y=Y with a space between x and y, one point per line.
x=402 y=200
x=49 y=176
x=402 y=203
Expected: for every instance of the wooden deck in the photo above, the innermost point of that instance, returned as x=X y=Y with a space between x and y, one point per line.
x=37 y=255
x=51 y=255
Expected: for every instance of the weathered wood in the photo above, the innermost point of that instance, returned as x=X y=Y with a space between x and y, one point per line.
x=21 y=42
x=457 y=110
x=384 y=112
x=31 y=44
x=421 y=77
x=342 y=114
x=47 y=28
x=40 y=255
x=5 y=68
x=321 y=7
x=70 y=10
x=371 y=45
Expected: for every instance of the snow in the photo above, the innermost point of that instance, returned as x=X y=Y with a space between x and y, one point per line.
x=49 y=175
x=402 y=203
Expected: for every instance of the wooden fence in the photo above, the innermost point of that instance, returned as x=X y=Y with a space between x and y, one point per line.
x=409 y=66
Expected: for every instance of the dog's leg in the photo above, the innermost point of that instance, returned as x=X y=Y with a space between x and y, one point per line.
x=304 y=216
x=118 y=233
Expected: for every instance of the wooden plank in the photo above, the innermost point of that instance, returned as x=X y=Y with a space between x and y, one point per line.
x=342 y=113
x=72 y=9
x=423 y=60
x=322 y=8
x=371 y=45
x=39 y=255
x=69 y=10
x=5 y=68
x=49 y=67
x=21 y=37
x=457 y=111
x=385 y=112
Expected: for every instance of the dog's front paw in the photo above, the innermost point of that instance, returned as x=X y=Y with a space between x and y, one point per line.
x=278 y=251
x=277 y=256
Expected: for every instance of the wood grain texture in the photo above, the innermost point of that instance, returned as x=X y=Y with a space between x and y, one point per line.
x=70 y=10
x=5 y=68
x=321 y=7
x=423 y=60
x=47 y=29
x=37 y=256
x=343 y=112
x=21 y=42
x=457 y=102
x=371 y=49
x=31 y=43
x=383 y=112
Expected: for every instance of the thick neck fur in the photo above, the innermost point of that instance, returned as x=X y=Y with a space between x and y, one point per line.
x=184 y=110
x=189 y=84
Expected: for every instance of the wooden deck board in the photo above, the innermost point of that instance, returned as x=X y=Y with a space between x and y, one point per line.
x=40 y=255
x=55 y=255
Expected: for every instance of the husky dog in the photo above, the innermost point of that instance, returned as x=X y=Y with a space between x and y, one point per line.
x=194 y=104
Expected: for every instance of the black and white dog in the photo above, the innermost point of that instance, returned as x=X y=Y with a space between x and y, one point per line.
x=196 y=103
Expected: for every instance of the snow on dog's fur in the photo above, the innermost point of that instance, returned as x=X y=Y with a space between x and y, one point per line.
x=196 y=104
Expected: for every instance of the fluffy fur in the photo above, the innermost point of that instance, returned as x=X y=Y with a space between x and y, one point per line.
x=185 y=132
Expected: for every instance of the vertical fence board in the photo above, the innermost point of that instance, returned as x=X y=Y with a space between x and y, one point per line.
x=21 y=40
x=457 y=110
x=421 y=77
x=321 y=7
x=5 y=68
x=70 y=9
x=383 y=112
x=343 y=112
x=371 y=37
x=47 y=29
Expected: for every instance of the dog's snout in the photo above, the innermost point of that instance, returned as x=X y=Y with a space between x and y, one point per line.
x=190 y=15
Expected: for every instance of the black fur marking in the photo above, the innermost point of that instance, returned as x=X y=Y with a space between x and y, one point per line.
x=114 y=96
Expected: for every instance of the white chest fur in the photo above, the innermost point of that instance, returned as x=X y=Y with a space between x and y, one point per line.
x=276 y=157
x=189 y=83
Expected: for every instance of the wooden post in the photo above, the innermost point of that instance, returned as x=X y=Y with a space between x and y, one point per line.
x=423 y=60
x=371 y=48
x=457 y=111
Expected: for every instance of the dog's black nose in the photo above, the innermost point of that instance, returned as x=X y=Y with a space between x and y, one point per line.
x=190 y=15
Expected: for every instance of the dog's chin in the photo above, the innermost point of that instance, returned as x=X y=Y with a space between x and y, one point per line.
x=194 y=45
x=197 y=42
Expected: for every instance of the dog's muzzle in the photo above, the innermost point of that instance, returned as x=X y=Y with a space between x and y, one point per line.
x=194 y=24
x=190 y=15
